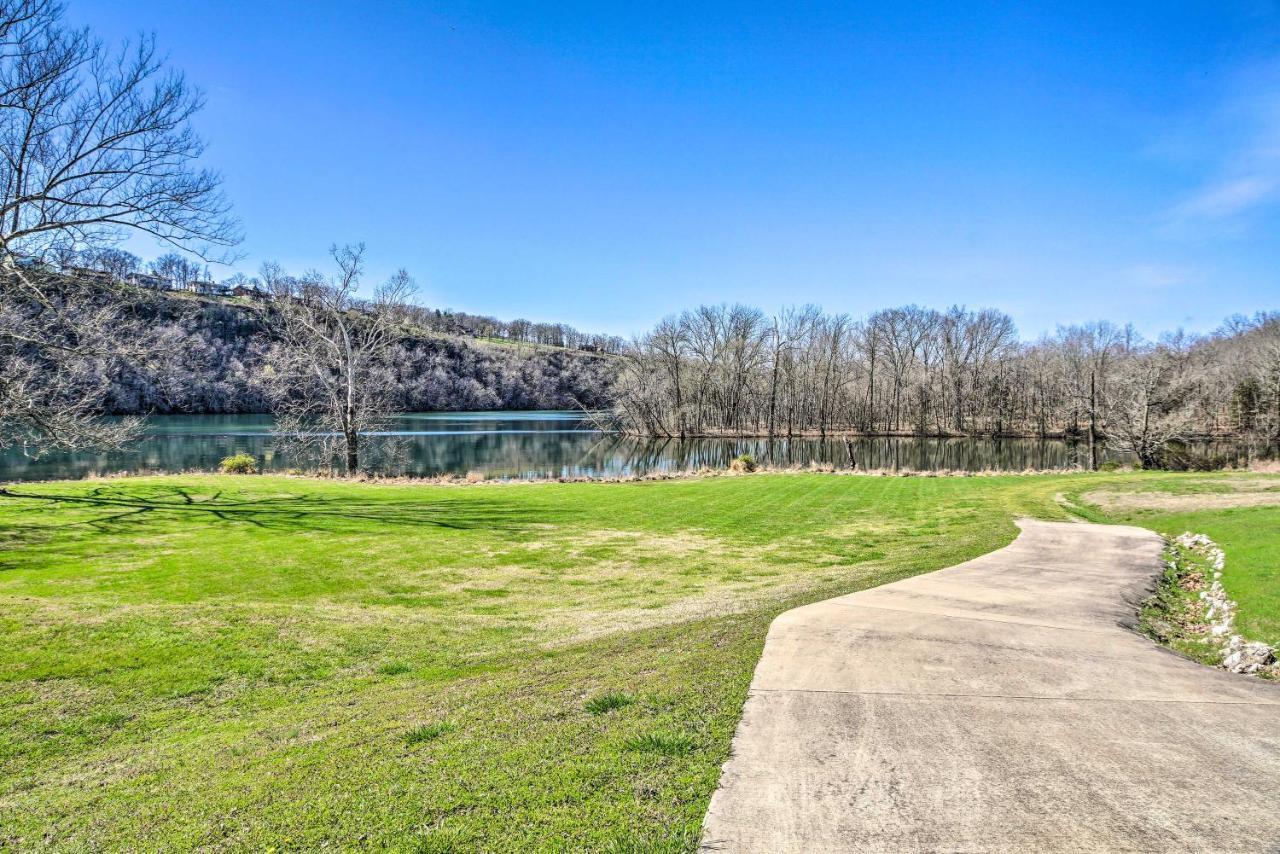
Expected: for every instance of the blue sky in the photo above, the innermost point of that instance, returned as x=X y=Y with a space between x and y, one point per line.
x=607 y=164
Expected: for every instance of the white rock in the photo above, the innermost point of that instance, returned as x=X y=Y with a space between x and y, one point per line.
x=1243 y=656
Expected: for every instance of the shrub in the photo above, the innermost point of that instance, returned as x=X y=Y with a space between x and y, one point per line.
x=607 y=702
x=744 y=462
x=1109 y=465
x=238 y=464
x=1178 y=456
x=474 y=476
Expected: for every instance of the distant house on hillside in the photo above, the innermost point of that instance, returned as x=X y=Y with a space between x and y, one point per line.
x=150 y=281
x=248 y=291
x=210 y=289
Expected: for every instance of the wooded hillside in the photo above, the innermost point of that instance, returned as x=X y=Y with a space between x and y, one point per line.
x=207 y=355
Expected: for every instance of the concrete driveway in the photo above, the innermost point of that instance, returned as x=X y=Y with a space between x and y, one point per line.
x=1004 y=704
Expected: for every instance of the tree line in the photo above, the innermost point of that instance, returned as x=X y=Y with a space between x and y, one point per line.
x=733 y=370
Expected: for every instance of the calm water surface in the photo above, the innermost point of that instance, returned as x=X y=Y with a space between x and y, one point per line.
x=525 y=445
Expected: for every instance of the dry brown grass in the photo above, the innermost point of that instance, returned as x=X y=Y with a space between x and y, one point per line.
x=1185 y=503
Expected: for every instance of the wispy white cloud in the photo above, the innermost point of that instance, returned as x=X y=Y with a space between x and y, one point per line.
x=1159 y=276
x=1243 y=162
x=1229 y=197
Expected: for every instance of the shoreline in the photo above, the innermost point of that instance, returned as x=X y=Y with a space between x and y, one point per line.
x=463 y=480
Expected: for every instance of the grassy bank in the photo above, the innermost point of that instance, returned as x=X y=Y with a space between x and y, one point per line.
x=1241 y=513
x=244 y=662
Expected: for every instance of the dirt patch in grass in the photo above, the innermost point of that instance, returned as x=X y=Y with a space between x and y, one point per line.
x=578 y=626
x=1164 y=502
x=1246 y=484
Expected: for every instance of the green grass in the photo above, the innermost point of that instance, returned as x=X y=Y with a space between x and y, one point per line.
x=665 y=742
x=607 y=702
x=394 y=668
x=428 y=732
x=242 y=662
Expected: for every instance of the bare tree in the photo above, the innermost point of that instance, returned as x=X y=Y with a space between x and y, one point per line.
x=667 y=344
x=970 y=343
x=58 y=355
x=272 y=275
x=180 y=271
x=330 y=373
x=93 y=142
x=115 y=263
x=1146 y=405
x=1089 y=351
x=905 y=328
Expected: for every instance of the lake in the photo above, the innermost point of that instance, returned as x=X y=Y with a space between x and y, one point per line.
x=528 y=445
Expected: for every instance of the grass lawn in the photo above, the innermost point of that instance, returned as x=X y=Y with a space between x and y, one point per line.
x=249 y=662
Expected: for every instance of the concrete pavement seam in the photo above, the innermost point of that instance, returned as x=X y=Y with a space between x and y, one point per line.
x=1009 y=697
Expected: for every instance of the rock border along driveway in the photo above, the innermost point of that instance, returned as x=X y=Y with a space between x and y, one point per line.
x=1004 y=704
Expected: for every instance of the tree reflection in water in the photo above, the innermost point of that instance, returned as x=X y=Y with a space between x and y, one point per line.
x=530 y=445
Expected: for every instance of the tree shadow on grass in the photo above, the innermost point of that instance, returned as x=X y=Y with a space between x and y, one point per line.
x=127 y=508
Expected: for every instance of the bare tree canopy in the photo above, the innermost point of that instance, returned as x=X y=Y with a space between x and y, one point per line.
x=177 y=269
x=95 y=139
x=723 y=370
x=1146 y=403
x=331 y=372
x=94 y=142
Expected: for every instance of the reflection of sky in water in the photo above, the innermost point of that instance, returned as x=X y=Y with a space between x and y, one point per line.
x=524 y=445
